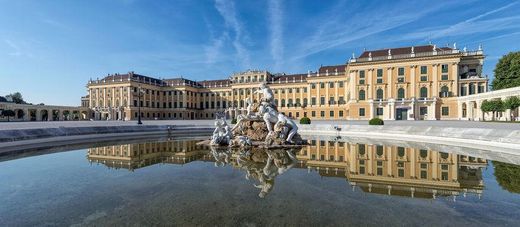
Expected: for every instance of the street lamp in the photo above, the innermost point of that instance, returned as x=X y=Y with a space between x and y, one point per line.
x=140 y=93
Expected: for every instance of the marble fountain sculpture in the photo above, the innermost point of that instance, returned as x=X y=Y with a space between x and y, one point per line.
x=262 y=126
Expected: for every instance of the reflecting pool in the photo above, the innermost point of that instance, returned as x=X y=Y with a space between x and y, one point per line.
x=333 y=181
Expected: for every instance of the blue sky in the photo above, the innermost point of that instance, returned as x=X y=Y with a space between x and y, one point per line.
x=49 y=49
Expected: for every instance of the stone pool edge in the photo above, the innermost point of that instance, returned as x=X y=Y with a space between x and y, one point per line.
x=85 y=135
x=502 y=140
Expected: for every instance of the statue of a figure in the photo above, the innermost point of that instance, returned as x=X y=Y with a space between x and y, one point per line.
x=222 y=134
x=269 y=116
x=249 y=107
x=292 y=127
x=267 y=94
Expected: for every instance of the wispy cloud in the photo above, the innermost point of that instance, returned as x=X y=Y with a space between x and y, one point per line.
x=213 y=51
x=228 y=11
x=348 y=25
x=276 y=29
x=15 y=49
x=472 y=25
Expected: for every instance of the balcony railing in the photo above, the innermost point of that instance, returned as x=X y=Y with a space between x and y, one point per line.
x=414 y=55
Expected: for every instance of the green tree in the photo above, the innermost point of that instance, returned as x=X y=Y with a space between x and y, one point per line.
x=512 y=103
x=8 y=114
x=492 y=106
x=507 y=71
x=508 y=176
x=16 y=97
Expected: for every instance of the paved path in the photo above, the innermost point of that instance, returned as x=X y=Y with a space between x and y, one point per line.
x=56 y=124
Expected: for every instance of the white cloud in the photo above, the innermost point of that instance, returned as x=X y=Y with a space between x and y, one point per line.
x=472 y=25
x=16 y=50
x=276 y=29
x=347 y=25
x=227 y=10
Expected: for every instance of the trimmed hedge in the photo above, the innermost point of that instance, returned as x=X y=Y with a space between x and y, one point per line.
x=305 y=121
x=376 y=121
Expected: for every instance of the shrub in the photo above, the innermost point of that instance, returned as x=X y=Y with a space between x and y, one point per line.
x=376 y=121
x=305 y=121
x=234 y=121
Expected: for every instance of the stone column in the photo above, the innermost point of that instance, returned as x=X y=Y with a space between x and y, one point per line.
x=391 y=109
x=369 y=83
x=435 y=80
x=455 y=75
x=38 y=115
x=432 y=111
x=414 y=81
x=371 y=109
x=327 y=95
x=353 y=82
x=390 y=82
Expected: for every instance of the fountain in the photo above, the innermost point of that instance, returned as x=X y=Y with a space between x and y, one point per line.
x=261 y=126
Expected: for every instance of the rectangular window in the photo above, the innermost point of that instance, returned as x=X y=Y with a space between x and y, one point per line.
x=313 y=86
x=305 y=90
x=331 y=101
x=424 y=69
x=362 y=82
x=331 y=113
x=340 y=114
x=444 y=68
x=379 y=76
x=322 y=85
x=444 y=77
x=400 y=79
x=424 y=78
x=379 y=111
x=322 y=113
x=400 y=71
x=445 y=111
x=340 y=84
x=322 y=100
x=313 y=113
x=423 y=110
x=379 y=72
x=313 y=101
x=362 y=74
x=361 y=112
x=331 y=84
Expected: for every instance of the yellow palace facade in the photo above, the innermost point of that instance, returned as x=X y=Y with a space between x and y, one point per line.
x=407 y=83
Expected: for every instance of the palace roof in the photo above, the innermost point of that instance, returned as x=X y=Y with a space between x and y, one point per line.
x=402 y=50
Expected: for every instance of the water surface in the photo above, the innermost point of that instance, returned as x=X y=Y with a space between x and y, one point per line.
x=332 y=181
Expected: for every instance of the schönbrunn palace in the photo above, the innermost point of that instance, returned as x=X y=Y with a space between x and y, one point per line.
x=407 y=83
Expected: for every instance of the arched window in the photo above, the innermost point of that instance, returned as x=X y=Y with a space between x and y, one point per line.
x=283 y=103
x=241 y=103
x=289 y=103
x=304 y=101
x=445 y=91
x=379 y=150
x=400 y=151
x=379 y=93
x=276 y=102
x=361 y=149
x=400 y=93
x=298 y=102
x=424 y=92
x=362 y=95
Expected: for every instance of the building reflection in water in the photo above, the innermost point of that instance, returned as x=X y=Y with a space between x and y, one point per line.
x=391 y=170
